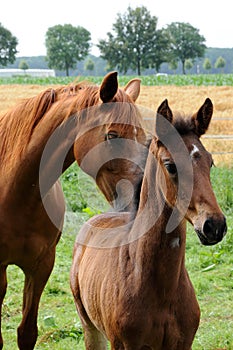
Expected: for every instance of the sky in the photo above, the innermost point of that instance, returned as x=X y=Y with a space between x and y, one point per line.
x=29 y=20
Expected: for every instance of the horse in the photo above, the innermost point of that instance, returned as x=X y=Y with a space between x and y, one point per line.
x=39 y=139
x=128 y=276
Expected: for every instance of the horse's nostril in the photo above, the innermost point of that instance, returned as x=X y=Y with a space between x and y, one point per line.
x=208 y=227
x=215 y=229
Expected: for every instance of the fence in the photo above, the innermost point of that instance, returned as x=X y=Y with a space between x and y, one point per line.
x=224 y=138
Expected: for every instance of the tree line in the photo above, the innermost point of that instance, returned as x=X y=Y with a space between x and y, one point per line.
x=135 y=44
x=99 y=66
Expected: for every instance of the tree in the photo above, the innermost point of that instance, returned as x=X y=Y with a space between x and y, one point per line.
x=207 y=64
x=135 y=42
x=8 y=44
x=23 y=65
x=188 y=64
x=89 y=65
x=161 y=50
x=186 y=42
x=66 y=45
x=220 y=63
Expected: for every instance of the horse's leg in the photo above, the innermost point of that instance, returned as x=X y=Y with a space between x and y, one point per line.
x=35 y=281
x=94 y=340
x=3 y=286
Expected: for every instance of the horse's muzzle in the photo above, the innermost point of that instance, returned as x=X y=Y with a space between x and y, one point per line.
x=213 y=231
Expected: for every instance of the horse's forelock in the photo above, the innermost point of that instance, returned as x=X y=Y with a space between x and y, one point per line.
x=123 y=111
x=183 y=124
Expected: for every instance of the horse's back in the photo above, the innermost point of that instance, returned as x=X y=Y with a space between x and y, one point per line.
x=106 y=230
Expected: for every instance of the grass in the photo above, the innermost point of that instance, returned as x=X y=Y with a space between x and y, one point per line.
x=210 y=269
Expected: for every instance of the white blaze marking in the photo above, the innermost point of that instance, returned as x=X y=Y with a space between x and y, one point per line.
x=194 y=150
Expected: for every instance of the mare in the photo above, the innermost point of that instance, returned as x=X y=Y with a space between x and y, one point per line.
x=128 y=277
x=39 y=139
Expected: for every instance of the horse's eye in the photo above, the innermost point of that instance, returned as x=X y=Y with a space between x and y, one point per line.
x=171 y=168
x=111 y=135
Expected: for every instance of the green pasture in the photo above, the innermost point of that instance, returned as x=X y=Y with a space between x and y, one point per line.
x=149 y=80
x=210 y=269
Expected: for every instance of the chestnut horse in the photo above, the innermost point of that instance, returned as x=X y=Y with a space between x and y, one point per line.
x=128 y=278
x=39 y=139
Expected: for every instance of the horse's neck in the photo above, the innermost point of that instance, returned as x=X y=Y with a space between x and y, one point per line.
x=156 y=251
x=41 y=164
x=55 y=150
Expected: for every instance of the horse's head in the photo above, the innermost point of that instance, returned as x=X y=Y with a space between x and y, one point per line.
x=183 y=172
x=110 y=146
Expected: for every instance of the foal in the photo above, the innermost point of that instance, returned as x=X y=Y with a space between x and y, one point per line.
x=129 y=280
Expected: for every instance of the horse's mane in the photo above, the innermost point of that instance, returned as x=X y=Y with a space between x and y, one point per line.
x=18 y=124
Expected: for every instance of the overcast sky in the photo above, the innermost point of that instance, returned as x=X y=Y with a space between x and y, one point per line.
x=29 y=20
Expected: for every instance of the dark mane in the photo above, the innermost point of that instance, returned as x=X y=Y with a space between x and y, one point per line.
x=183 y=124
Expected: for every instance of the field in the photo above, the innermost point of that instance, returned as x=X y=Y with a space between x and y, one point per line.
x=182 y=97
x=210 y=268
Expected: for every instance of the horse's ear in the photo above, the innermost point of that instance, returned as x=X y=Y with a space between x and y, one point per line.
x=165 y=111
x=203 y=117
x=133 y=88
x=109 y=86
x=163 y=117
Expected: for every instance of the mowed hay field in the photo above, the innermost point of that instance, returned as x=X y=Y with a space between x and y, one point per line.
x=182 y=99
